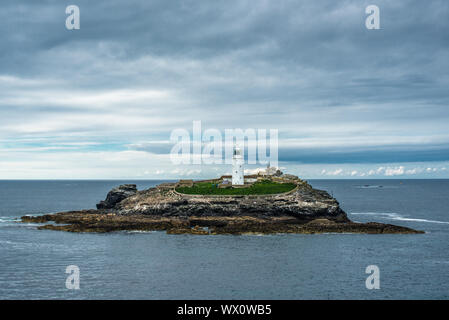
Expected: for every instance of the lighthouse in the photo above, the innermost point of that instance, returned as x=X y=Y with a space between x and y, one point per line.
x=237 y=167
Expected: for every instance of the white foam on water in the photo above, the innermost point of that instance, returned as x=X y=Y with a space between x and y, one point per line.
x=420 y=220
x=7 y=222
x=397 y=216
x=9 y=219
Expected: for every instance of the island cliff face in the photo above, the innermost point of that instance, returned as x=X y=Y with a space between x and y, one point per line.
x=303 y=203
x=301 y=210
x=116 y=195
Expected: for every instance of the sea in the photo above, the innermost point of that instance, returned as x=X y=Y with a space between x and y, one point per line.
x=153 y=265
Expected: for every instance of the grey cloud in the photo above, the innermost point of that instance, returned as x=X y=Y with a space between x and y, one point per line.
x=309 y=68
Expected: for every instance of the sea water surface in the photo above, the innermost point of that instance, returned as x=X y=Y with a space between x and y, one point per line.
x=154 y=265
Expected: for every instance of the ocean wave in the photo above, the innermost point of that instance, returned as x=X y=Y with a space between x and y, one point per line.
x=7 y=222
x=397 y=216
x=9 y=219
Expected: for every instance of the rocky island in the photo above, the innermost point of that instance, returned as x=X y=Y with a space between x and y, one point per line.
x=265 y=204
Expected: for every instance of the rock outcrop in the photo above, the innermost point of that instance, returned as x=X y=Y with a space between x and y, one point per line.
x=92 y=221
x=301 y=210
x=116 y=195
x=303 y=203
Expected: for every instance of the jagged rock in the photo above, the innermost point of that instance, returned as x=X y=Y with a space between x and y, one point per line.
x=304 y=203
x=86 y=221
x=116 y=195
x=305 y=210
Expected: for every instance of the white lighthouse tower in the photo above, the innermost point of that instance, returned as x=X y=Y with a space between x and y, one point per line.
x=237 y=167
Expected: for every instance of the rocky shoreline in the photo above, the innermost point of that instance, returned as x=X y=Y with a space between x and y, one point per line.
x=305 y=210
x=92 y=221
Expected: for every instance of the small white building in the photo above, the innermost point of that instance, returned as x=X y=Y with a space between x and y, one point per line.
x=237 y=167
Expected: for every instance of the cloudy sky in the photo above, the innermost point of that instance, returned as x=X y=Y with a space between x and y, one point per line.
x=101 y=102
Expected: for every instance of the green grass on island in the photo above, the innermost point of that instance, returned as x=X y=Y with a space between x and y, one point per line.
x=258 y=188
